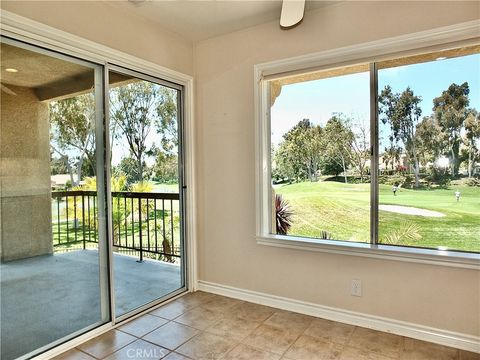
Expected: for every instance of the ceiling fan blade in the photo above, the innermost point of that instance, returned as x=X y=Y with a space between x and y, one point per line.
x=7 y=90
x=292 y=13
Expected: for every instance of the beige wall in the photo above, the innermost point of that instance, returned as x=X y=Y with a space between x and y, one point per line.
x=441 y=297
x=25 y=190
x=103 y=23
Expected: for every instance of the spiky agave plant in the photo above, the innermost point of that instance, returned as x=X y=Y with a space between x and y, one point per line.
x=283 y=215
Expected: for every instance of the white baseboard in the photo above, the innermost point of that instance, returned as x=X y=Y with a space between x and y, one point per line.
x=420 y=332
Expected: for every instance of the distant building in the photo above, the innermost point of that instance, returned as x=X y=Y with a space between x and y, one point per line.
x=60 y=181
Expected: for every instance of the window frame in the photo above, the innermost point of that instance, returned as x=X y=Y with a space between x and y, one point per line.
x=444 y=38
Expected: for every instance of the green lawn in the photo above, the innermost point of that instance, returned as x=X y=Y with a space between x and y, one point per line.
x=343 y=211
x=165 y=188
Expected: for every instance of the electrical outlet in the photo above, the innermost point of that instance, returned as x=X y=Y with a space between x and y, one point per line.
x=356 y=289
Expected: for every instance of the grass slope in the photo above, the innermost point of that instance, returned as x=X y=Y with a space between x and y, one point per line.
x=344 y=211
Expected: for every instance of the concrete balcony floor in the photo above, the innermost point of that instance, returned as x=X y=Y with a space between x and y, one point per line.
x=48 y=297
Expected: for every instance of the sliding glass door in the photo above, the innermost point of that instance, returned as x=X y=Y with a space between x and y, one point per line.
x=146 y=176
x=52 y=213
x=91 y=205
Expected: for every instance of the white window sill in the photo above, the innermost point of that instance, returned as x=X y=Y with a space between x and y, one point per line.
x=397 y=253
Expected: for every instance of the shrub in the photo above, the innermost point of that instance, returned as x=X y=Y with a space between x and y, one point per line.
x=438 y=177
x=397 y=180
x=474 y=181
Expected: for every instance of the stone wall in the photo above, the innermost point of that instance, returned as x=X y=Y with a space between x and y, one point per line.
x=25 y=189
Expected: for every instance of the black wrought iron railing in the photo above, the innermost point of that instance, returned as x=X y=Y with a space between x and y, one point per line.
x=144 y=224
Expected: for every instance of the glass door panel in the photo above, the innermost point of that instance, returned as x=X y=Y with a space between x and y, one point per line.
x=52 y=215
x=146 y=173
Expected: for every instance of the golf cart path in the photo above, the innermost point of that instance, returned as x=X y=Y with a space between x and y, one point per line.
x=406 y=210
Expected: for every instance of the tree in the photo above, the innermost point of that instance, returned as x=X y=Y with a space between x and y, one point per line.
x=313 y=145
x=165 y=168
x=136 y=109
x=330 y=166
x=73 y=132
x=392 y=155
x=360 y=149
x=166 y=120
x=337 y=143
x=402 y=112
x=428 y=140
x=133 y=110
x=57 y=166
x=298 y=155
x=472 y=139
x=128 y=167
x=451 y=110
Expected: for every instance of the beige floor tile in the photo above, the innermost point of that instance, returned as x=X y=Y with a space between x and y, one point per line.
x=421 y=350
x=467 y=355
x=245 y=352
x=73 y=354
x=171 y=335
x=233 y=327
x=171 y=310
x=293 y=321
x=310 y=348
x=196 y=299
x=251 y=311
x=206 y=346
x=271 y=338
x=359 y=354
x=208 y=326
x=200 y=318
x=330 y=330
x=376 y=341
x=107 y=343
x=221 y=304
x=139 y=350
x=175 y=356
x=142 y=325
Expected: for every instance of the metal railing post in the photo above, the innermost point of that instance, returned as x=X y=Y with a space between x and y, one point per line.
x=140 y=227
x=83 y=220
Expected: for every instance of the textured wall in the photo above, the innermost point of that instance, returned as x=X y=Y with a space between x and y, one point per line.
x=441 y=297
x=25 y=191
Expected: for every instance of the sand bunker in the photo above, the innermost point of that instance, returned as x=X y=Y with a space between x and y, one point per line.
x=406 y=210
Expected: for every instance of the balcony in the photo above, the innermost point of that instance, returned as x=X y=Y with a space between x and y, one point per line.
x=64 y=286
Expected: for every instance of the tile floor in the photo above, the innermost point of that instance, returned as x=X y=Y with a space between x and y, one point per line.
x=207 y=327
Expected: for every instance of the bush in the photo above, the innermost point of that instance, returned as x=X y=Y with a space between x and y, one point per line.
x=438 y=177
x=474 y=181
x=397 y=180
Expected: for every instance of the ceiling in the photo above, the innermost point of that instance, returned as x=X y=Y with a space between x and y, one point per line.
x=198 y=20
x=48 y=76
x=35 y=69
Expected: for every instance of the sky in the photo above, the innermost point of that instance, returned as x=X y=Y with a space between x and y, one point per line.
x=349 y=94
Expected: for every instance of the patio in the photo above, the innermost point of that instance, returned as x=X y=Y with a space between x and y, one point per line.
x=45 y=298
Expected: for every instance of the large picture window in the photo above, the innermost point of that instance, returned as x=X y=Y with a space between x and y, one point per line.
x=383 y=153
